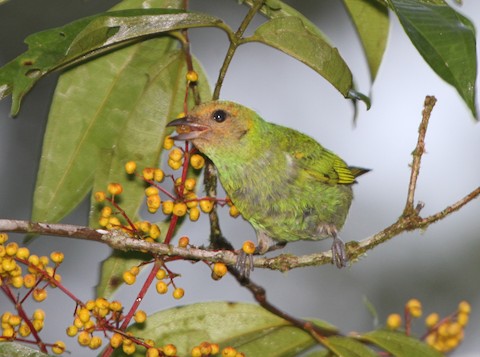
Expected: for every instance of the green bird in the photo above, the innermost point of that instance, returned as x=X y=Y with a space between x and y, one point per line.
x=287 y=185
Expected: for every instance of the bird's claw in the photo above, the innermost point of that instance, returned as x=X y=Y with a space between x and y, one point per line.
x=244 y=264
x=339 y=255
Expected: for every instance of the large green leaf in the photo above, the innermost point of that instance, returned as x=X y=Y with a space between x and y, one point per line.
x=445 y=39
x=80 y=40
x=14 y=349
x=249 y=328
x=104 y=113
x=400 y=345
x=371 y=21
x=290 y=35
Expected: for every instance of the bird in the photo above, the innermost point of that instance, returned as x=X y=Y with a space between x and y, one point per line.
x=283 y=182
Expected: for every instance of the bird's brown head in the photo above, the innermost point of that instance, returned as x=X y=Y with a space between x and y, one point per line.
x=215 y=124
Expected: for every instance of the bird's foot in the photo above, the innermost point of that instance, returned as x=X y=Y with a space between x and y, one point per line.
x=339 y=255
x=244 y=263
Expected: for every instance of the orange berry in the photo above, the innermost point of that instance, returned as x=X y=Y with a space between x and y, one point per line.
x=161 y=287
x=130 y=167
x=206 y=205
x=178 y=293
x=183 y=242
x=99 y=196
x=248 y=247
x=168 y=143
x=114 y=188
x=220 y=269
x=148 y=173
x=192 y=76
x=197 y=161
x=414 y=307
x=394 y=321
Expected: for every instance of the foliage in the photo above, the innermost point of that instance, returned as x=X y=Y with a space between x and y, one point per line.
x=95 y=126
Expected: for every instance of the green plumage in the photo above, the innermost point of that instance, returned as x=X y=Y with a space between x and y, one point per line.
x=284 y=183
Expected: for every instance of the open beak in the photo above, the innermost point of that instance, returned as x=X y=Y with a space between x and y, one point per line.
x=186 y=129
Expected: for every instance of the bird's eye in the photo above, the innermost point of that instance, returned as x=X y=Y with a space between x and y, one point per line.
x=219 y=116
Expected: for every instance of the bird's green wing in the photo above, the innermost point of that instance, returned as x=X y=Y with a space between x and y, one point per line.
x=320 y=163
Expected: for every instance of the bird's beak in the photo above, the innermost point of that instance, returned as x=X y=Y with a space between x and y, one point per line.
x=187 y=129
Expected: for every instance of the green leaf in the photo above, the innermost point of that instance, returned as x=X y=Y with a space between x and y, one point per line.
x=399 y=344
x=349 y=347
x=106 y=112
x=290 y=35
x=13 y=349
x=247 y=327
x=85 y=38
x=445 y=39
x=371 y=21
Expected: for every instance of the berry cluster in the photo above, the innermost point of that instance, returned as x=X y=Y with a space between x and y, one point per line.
x=442 y=334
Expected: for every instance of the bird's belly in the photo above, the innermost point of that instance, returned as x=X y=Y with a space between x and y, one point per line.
x=297 y=214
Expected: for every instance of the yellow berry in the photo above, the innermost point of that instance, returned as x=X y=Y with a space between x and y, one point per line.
x=154 y=231
x=462 y=318
x=8 y=264
x=195 y=352
x=179 y=209
x=148 y=173
x=114 y=222
x=206 y=205
x=394 y=321
x=183 y=242
x=175 y=165
x=167 y=207
x=103 y=221
x=414 y=307
x=464 y=307
x=58 y=347
x=57 y=257
x=161 y=287
x=99 y=196
x=24 y=330
x=220 y=269
x=178 y=293
x=168 y=143
x=83 y=314
x=175 y=154
x=248 y=247
x=95 y=342
x=101 y=303
x=194 y=214
x=106 y=211
x=8 y=332
x=17 y=281
x=115 y=306
x=190 y=184
x=161 y=274
x=170 y=350
x=191 y=199
x=140 y=316
x=197 y=161
x=3 y=237
x=205 y=348
x=116 y=340
x=129 y=278
x=229 y=352
x=84 y=338
x=192 y=76
x=11 y=249
x=152 y=352
x=14 y=320
x=23 y=253
x=72 y=330
x=39 y=294
x=234 y=212
x=130 y=167
x=144 y=226
x=432 y=320
x=158 y=175
x=151 y=191
x=128 y=349
x=215 y=348
x=77 y=323
x=114 y=188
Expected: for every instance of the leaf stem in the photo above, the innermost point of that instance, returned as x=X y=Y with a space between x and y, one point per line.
x=235 y=41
